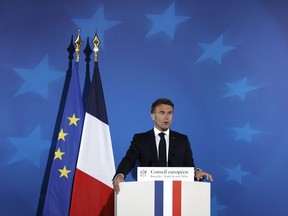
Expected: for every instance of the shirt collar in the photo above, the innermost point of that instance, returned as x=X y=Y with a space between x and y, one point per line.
x=156 y=131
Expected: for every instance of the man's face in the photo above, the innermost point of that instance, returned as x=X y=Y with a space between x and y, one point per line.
x=162 y=116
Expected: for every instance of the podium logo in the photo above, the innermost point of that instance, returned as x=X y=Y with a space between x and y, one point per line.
x=143 y=173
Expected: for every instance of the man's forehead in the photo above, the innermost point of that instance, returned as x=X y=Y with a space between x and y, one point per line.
x=164 y=107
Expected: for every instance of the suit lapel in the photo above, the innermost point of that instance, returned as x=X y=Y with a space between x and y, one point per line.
x=172 y=142
x=151 y=139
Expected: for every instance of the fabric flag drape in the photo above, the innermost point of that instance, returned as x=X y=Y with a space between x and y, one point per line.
x=92 y=191
x=59 y=190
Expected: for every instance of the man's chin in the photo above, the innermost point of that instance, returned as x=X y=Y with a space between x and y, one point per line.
x=165 y=128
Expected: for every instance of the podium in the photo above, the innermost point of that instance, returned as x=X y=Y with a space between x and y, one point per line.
x=166 y=195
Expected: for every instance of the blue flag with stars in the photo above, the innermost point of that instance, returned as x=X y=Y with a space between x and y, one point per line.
x=60 y=183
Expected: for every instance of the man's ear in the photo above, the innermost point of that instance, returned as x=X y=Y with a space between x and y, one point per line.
x=153 y=116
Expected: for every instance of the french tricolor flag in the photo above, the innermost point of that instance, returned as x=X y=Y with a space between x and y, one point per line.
x=93 y=193
x=163 y=198
x=174 y=198
x=167 y=198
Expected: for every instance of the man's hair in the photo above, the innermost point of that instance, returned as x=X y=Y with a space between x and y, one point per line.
x=161 y=101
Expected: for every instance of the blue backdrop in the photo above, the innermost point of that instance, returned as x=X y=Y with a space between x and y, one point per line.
x=224 y=63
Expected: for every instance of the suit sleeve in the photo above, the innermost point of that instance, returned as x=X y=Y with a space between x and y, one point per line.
x=129 y=160
x=188 y=155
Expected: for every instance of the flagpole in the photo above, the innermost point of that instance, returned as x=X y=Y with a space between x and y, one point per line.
x=78 y=43
x=96 y=43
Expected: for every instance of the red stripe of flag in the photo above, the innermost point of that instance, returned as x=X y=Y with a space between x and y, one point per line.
x=91 y=203
x=176 y=198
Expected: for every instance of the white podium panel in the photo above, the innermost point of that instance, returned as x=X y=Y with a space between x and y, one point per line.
x=197 y=200
x=163 y=198
x=135 y=198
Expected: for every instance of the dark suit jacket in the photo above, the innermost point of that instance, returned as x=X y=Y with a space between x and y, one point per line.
x=143 y=149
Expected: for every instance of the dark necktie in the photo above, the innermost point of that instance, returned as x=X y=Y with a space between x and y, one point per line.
x=162 y=150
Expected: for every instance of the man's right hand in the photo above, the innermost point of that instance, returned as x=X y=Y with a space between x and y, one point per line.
x=116 y=182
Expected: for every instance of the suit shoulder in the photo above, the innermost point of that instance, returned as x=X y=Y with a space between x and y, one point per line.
x=141 y=134
x=175 y=133
x=179 y=136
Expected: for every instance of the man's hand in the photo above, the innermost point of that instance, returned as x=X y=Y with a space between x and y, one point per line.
x=116 y=182
x=200 y=175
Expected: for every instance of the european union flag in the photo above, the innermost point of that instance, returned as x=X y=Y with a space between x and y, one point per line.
x=60 y=183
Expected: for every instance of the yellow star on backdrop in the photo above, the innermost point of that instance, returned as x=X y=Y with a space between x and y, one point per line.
x=73 y=120
x=58 y=154
x=62 y=135
x=64 y=172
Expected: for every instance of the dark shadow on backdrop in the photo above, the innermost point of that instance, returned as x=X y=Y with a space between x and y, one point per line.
x=87 y=51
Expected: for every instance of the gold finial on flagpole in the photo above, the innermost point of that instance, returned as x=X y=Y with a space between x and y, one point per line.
x=78 y=43
x=96 y=43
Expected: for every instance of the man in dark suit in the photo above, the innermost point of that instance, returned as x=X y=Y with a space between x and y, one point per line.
x=159 y=146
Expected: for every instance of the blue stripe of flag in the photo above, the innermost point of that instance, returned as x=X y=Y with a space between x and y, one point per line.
x=96 y=103
x=158 y=207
